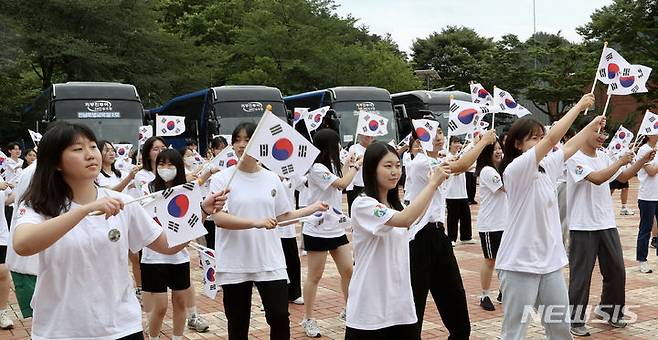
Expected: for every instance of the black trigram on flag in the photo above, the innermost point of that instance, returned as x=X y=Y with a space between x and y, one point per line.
x=601 y=72
x=614 y=86
x=287 y=169
x=608 y=57
x=626 y=72
x=173 y=226
x=635 y=88
x=276 y=129
x=193 y=220
x=189 y=186
x=167 y=192
x=651 y=119
x=640 y=74
x=365 y=129
x=302 y=151
x=452 y=125
x=484 y=109
x=429 y=126
x=502 y=107
x=264 y=150
x=454 y=107
x=502 y=94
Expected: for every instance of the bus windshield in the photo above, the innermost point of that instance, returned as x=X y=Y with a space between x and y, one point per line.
x=349 y=113
x=231 y=114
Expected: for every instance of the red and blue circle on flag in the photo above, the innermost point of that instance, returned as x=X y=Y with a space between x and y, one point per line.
x=627 y=81
x=467 y=116
x=121 y=151
x=231 y=162
x=423 y=135
x=613 y=70
x=317 y=118
x=618 y=146
x=373 y=125
x=171 y=125
x=510 y=103
x=296 y=115
x=210 y=274
x=621 y=135
x=482 y=93
x=282 y=149
x=178 y=206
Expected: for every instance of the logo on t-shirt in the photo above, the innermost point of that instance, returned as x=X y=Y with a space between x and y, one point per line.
x=273 y=192
x=495 y=179
x=380 y=210
x=21 y=211
x=579 y=169
x=326 y=176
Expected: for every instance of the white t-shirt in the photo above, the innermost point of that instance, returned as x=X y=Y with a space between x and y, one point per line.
x=153 y=257
x=532 y=241
x=4 y=228
x=141 y=181
x=589 y=206
x=112 y=181
x=357 y=150
x=320 y=189
x=13 y=169
x=16 y=263
x=492 y=215
x=406 y=162
x=83 y=276
x=419 y=172
x=250 y=254
x=648 y=184
x=380 y=292
x=456 y=186
x=291 y=184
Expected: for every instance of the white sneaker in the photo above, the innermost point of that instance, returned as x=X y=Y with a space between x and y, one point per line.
x=453 y=243
x=626 y=212
x=298 y=301
x=304 y=253
x=644 y=267
x=311 y=328
x=5 y=321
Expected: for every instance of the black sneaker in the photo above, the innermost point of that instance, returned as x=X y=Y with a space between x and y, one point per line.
x=486 y=304
x=500 y=297
x=654 y=241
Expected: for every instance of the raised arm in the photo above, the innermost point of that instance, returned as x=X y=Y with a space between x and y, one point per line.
x=468 y=158
x=601 y=176
x=635 y=167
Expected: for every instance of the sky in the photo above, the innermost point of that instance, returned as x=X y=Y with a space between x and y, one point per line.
x=407 y=20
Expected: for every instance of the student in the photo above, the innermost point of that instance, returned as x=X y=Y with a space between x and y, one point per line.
x=248 y=251
x=110 y=177
x=288 y=236
x=492 y=216
x=381 y=301
x=433 y=264
x=647 y=201
x=217 y=144
x=531 y=252
x=459 y=211
x=6 y=198
x=407 y=157
x=593 y=231
x=83 y=259
x=29 y=156
x=326 y=180
x=14 y=163
x=357 y=150
x=160 y=271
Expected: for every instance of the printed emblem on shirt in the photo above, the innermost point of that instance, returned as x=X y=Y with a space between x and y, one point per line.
x=21 y=211
x=579 y=169
x=495 y=179
x=380 y=210
x=273 y=192
x=326 y=176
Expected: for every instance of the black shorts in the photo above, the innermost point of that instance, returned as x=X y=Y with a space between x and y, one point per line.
x=312 y=243
x=490 y=242
x=3 y=254
x=156 y=277
x=618 y=185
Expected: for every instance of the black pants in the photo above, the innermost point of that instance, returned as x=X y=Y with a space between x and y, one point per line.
x=293 y=267
x=394 y=333
x=210 y=236
x=471 y=183
x=134 y=336
x=586 y=247
x=9 y=210
x=459 y=212
x=351 y=196
x=434 y=269
x=237 y=307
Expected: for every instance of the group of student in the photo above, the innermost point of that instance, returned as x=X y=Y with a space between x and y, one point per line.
x=73 y=229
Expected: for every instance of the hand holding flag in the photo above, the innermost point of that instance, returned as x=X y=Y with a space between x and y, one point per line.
x=178 y=211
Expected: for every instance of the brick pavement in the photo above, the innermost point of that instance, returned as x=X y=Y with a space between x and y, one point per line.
x=641 y=291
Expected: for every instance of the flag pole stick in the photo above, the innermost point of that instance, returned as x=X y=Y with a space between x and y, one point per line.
x=605 y=108
x=605 y=44
x=138 y=199
x=493 y=114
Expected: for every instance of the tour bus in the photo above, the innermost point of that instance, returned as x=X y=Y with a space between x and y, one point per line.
x=347 y=101
x=218 y=110
x=112 y=110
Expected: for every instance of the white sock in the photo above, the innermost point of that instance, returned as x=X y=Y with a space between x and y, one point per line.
x=154 y=337
x=177 y=337
x=485 y=292
x=623 y=206
x=191 y=312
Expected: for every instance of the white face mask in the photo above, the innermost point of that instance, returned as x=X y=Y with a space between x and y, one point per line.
x=167 y=174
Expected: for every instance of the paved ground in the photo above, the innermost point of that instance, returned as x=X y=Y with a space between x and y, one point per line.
x=641 y=293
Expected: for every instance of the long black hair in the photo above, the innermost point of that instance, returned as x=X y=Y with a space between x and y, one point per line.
x=174 y=157
x=25 y=153
x=48 y=193
x=521 y=129
x=101 y=145
x=248 y=127
x=485 y=158
x=374 y=153
x=327 y=140
x=146 y=154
